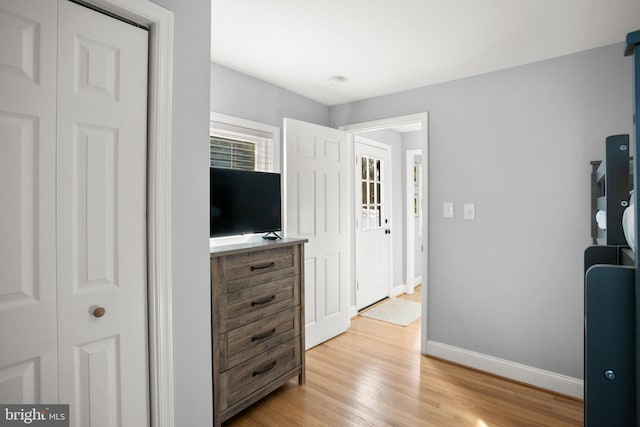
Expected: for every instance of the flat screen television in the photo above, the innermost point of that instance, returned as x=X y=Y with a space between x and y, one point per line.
x=244 y=202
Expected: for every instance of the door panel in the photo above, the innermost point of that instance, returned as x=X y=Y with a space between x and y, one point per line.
x=331 y=275
x=332 y=198
x=97 y=365
x=28 y=359
x=373 y=204
x=316 y=208
x=19 y=55
x=101 y=199
x=19 y=382
x=306 y=208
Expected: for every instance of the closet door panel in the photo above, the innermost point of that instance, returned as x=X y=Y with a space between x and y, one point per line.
x=28 y=333
x=101 y=202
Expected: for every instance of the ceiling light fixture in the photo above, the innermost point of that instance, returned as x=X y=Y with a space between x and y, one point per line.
x=336 y=81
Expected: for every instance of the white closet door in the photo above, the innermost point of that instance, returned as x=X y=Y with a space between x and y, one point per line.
x=317 y=206
x=101 y=199
x=28 y=346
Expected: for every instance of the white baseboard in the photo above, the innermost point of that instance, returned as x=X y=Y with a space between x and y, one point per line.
x=527 y=374
x=398 y=290
x=353 y=311
x=417 y=281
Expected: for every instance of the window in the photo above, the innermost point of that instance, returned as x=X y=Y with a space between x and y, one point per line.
x=371 y=204
x=242 y=144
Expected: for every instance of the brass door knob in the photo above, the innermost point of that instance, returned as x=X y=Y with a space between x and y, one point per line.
x=99 y=311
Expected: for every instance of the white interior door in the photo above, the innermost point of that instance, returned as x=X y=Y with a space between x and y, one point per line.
x=73 y=211
x=101 y=209
x=317 y=204
x=373 y=222
x=28 y=333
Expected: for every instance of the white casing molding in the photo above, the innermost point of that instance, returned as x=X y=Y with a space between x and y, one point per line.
x=516 y=371
x=410 y=233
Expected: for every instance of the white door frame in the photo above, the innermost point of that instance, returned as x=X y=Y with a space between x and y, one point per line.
x=388 y=177
x=410 y=219
x=423 y=119
x=159 y=286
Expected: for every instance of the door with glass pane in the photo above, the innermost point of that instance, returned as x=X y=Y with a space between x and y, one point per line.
x=373 y=222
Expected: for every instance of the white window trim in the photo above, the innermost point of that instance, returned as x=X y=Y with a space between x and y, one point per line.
x=238 y=125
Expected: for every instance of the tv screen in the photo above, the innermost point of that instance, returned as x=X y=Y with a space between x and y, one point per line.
x=244 y=202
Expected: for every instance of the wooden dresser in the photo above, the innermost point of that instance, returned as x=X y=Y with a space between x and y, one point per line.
x=257 y=306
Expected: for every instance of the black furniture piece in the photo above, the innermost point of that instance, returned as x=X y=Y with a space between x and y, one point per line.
x=610 y=185
x=612 y=291
x=633 y=48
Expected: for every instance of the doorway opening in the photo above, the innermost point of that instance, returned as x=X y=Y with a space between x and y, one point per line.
x=406 y=138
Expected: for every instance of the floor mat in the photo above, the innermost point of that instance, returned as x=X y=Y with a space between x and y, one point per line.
x=397 y=311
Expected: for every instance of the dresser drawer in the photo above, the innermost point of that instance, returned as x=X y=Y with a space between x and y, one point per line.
x=253 y=264
x=255 y=281
x=258 y=302
x=241 y=344
x=248 y=377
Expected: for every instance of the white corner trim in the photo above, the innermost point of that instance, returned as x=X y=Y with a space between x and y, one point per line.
x=527 y=374
x=417 y=281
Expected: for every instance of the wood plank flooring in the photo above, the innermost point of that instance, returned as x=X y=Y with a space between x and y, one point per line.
x=374 y=375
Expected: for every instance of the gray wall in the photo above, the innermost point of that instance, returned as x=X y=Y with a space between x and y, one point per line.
x=243 y=96
x=190 y=223
x=518 y=144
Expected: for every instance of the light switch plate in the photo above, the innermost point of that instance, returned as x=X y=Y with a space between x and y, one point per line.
x=448 y=210
x=469 y=211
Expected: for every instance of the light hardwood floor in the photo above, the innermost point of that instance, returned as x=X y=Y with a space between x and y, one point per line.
x=374 y=375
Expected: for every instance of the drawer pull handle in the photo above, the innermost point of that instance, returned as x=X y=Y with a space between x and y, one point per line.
x=263 y=301
x=263 y=266
x=265 y=369
x=263 y=335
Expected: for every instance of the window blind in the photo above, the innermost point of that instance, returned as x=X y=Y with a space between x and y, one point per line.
x=231 y=154
x=239 y=148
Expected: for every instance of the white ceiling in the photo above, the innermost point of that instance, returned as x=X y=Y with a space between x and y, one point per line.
x=386 y=46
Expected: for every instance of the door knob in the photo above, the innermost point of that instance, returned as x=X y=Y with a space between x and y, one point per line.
x=99 y=311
